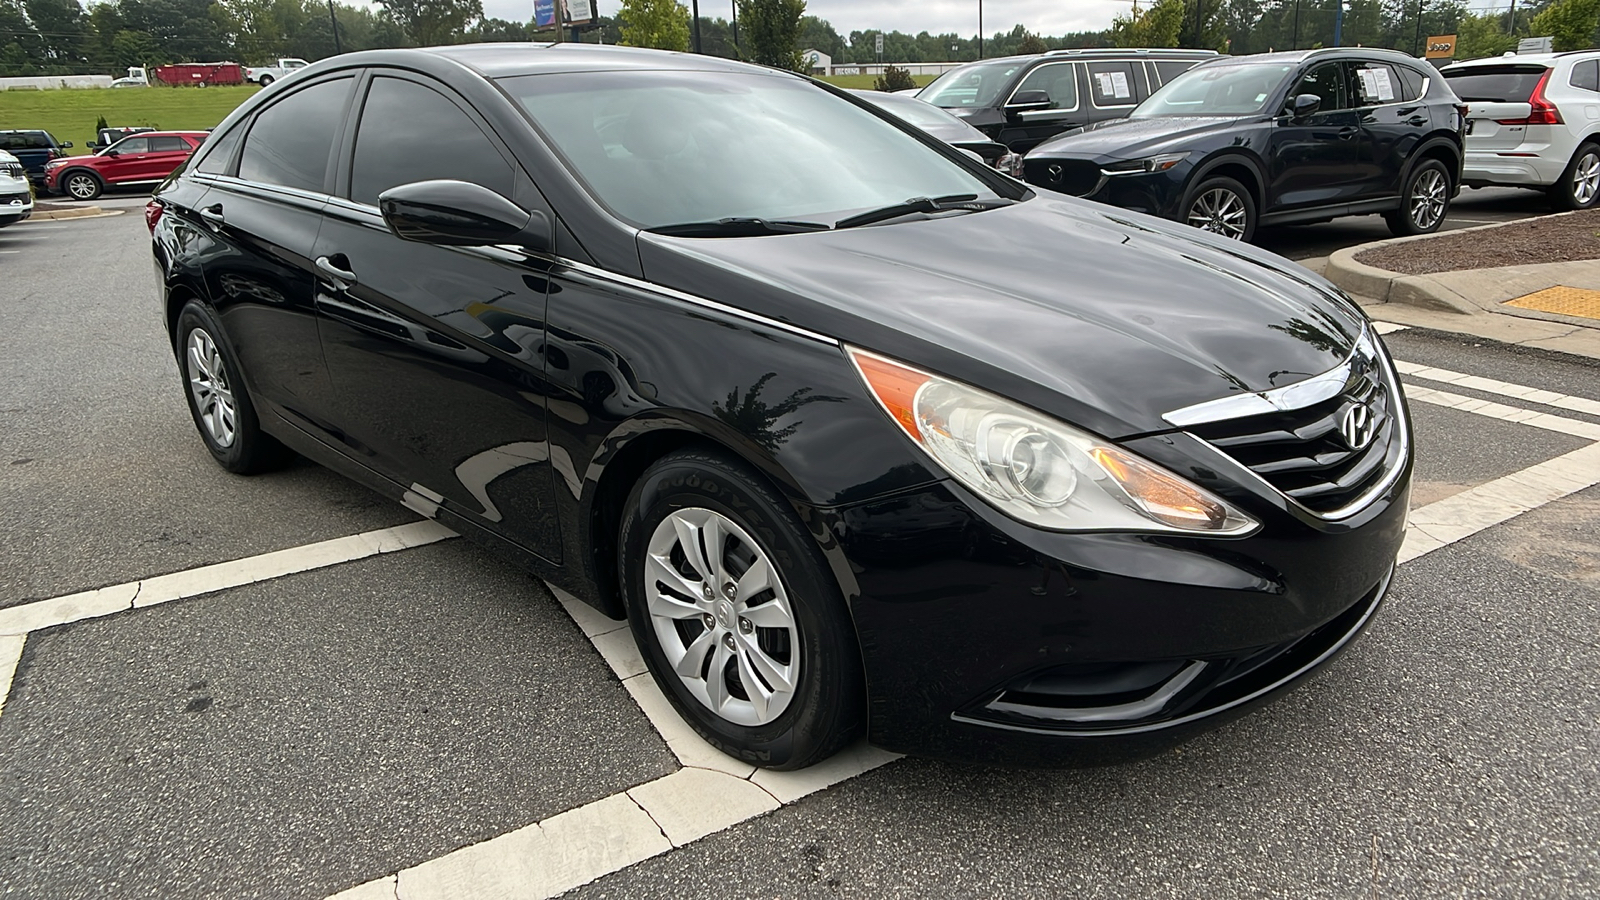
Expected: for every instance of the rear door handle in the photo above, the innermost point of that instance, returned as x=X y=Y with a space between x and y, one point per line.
x=213 y=214
x=1417 y=121
x=341 y=278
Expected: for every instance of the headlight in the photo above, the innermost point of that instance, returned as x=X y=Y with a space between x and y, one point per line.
x=1038 y=470
x=1149 y=164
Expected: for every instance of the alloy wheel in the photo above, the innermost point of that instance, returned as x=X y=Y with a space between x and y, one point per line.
x=1219 y=211
x=1586 y=178
x=1428 y=199
x=208 y=382
x=722 y=617
x=81 y=187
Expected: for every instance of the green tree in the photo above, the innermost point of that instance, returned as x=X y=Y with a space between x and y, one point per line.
x=137 y=48
x=430 y=23
x=1481 y=36
x=1157 y=26
x=1031 y=45
x=769 y=32
x=1573 y=23
x=662 y=24
x=63 y=33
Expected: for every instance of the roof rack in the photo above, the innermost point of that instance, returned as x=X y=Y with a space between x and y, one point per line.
x=1318 y=51
x=1130 y=51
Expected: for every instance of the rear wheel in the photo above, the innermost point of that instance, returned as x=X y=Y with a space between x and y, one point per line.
x=81 y=185
x=1424 y=202
x=218 y=402
x=1579 y=187
x=1221 y=206
x=266 y=80
x=739 y=620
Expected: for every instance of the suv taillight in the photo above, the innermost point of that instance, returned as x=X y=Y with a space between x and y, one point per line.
x=1541 y=111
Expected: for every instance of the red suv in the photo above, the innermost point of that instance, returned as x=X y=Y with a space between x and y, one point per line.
x=144 y=158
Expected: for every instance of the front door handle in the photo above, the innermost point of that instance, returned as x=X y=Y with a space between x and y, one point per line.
x=213 y=214
x=1348 y=132
x=330 y=266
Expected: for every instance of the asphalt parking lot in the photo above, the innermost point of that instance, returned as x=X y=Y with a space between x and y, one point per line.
x=333 y=712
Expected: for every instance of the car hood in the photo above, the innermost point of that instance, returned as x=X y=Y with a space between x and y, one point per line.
x=1131 y=138
x=1105 y=318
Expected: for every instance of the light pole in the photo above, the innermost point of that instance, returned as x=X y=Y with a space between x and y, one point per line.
x=736 y=28
x=1416 y=49
x=1297 y=24
x=695 y=11
x=980 y=29
x=335 y=23
x=1338 y=24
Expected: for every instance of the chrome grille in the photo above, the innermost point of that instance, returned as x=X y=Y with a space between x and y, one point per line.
x=1326 y=443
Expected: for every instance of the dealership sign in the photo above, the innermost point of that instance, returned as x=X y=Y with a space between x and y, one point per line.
x=574 y=12
x=1441 y=46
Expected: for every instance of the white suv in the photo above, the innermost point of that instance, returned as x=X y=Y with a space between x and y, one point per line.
x=16 y=200
x=1533 y=121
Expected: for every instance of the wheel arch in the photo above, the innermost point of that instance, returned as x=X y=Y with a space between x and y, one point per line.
x=70 y=171
x=1240 y=168
x=1442 y=148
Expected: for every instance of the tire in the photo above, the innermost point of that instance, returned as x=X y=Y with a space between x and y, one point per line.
x=80 y=184
x=1579 y=187
x=265 y=80
x=220 y=406
x=1425 y=201
x=797 y=629
x=1221 y=206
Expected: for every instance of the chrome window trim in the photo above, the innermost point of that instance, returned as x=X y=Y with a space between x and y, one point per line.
x=1298 y=396
x=266 y=190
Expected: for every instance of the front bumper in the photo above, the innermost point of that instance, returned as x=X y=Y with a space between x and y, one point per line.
x=1152 y=193
x=986 y=641
x=1489 y=167
x=16 y=204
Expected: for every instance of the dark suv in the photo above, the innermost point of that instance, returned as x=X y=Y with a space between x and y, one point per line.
x=33 y=149
x=1273 y=139
x=1022 y=100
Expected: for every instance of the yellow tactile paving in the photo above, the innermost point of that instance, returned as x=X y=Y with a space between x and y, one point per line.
x=1568 y=301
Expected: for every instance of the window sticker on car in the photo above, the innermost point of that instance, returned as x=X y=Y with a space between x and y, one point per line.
x=1376 y=84
x=1114 y=84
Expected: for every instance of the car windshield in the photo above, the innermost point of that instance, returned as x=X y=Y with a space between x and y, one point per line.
x=669 y=148
x=977 y=85
x=1216 y=91
x=25 y=140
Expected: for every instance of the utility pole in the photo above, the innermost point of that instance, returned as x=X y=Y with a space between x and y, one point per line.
x=558 y=18
x=335 y=23
x=1338 y=24
x=980 y=29
x=1511 y=24
x=696 y=13
x=1197 y=26
x=1417 y=47
x=736 y=28
x=1297 y=24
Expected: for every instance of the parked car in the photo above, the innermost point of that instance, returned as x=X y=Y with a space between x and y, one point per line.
x=33 y=149
x=1273 y=139
x=1022 y=100
x=1533 y=121
x=16 y=198
x=105 y=137
x=666 y=329
x=141 y=159
x=946 y=127
x=265 y=75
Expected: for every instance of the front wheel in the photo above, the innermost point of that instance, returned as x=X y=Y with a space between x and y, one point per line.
x=1424 y=202
x=1579 y=187
x=1221 y=206
x=81 y=186
x=266 y=80
x=739 y=620
x=218 y=402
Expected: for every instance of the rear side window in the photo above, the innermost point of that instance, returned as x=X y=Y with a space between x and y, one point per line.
x=1586 y=75
x=218 y=158
x=1495 y=84
x=1059 y=80
x=1111 y=83
x=25 y=140
x=387 y=153
x=291 y=140
x=132 y=145
x=1374 y=84
x=1171 y=70
x=1412 y=81
x=169 y=144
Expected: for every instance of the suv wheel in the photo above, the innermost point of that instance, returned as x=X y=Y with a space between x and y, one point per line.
x=81 y=185
x=1579 y=187
x=1221 y=206
x=1424 y=202
x=738 y=617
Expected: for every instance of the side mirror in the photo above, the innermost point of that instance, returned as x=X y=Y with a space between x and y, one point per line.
x=93 y=146
x=113 y=153
x=1306 y=105
x=460 y=214
x=66 y=145
x=1022 y=101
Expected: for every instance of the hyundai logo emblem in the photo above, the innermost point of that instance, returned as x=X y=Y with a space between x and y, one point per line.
x=1357 y=427
x=1055 y=172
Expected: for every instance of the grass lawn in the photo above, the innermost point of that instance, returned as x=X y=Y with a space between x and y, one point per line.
x=70 y=114
x=866 y=82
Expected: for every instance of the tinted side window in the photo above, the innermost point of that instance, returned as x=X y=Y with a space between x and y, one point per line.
x=1374 y=84
x=1171 y=70
x=1586 y=75
x=1059 y=80
x=291 y=140
x=218 y=152
x=389 y=154
x=168 y=144
x=1324 y=81
x=1412 y=81
x=132 y=145
x=1111 y=83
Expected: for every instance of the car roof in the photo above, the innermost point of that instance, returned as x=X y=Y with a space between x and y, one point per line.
x=23 y=131
x=507 y=59
x=1531 y=59
x=1298 y=56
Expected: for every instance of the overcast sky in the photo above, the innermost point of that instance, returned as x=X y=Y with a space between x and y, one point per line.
x=910 y=16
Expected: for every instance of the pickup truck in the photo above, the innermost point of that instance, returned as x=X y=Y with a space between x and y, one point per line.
x=265 y=75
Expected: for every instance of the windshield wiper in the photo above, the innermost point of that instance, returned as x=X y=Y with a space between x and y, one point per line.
x=968 y=202
x=738 y=226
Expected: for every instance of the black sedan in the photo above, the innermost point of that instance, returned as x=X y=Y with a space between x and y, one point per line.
x=860 y=435
x=1275 y=139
